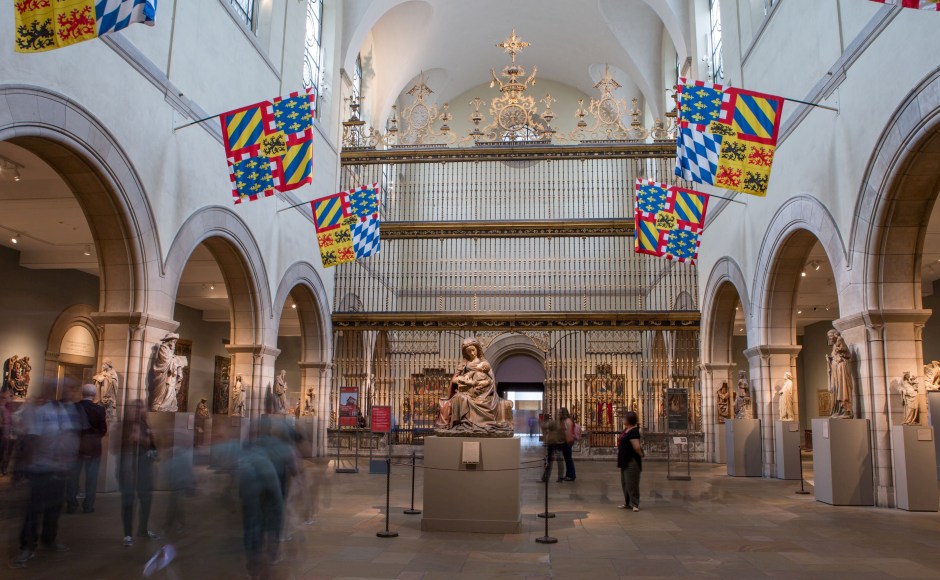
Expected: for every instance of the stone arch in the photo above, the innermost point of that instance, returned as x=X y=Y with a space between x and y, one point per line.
x=725 y=287
x=76 y=315
x=100 y=174
x=510 y=344
x=797 y=225
x=302 y=283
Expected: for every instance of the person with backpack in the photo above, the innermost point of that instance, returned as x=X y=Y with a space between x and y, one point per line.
x=568 y=425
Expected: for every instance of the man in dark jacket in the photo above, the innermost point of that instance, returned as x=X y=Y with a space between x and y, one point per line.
x=93 y=428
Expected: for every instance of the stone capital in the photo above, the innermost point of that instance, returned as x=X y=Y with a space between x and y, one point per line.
x=255 y=349
x=315 y=365
x=138 y=319
x=767 y=350
x=877 y=318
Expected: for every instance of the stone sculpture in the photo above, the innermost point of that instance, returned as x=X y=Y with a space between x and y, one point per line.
x=16 y=376
x=310 y=404
x=238 y=398
x=474 y=408
x=202 y=410
x=742 y=403
x=106 y=382
x=167 y=375
x=841 y=384
x=787 y=404
x=908 y=390
x=932 y=376
x=724 y=403
x=280 y=393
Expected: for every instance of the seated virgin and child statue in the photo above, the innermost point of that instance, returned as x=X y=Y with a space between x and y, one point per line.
x=474 y=408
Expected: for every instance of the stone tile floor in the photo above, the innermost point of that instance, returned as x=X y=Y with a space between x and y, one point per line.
x=711 y=526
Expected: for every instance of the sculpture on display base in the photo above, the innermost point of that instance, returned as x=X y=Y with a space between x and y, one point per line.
x=787 y=406
x=310 y=406
x=280 y=393
x=742 y=403
x=16 y=376
x=474 y=409
x=841 y=384
x=908 y=390
x=238 y=398
x=932 y=376
x=167 y=375
x=106 y=382
x=724 y=403
x=202 y=410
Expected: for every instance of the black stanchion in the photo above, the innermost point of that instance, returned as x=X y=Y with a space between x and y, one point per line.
x=388 y=491
x=412 y=511
x=546 y=513
x=546 y=539
x=801 y=491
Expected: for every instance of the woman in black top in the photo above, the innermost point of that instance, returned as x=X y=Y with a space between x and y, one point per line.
x=630 y=461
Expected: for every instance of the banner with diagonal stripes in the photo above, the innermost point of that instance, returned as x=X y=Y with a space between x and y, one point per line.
x=669 y=220
x=269 y=146
x=347 y=225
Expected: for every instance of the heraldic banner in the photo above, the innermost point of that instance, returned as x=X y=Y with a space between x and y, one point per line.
x=669 y=221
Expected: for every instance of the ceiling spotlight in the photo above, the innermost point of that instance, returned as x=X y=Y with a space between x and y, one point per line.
x=803 y=273
x=87 y=251
x=16 y=238
x=817 y=266
x=16 y=174
x=293 y=306
x=740 y=330
x=799 y=312
x=211 y=286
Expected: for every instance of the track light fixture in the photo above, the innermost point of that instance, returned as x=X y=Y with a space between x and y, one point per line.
x=87 y=251
x=11 y=168
x=16 y=237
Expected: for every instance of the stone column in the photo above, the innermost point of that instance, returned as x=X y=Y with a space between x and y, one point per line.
x=713 y=375
x=768 y=363
x=311 y=377
x=884 y=344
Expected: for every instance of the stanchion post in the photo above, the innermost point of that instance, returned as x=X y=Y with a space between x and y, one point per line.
x=388 y=490
x=546 y=539
x=412 y=511
x=801 y=491
x=546 y=513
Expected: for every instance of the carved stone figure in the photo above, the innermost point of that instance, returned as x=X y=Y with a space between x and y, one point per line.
x=202 y=410
x=742 y=403
x=932 y=376
x=16 y=376
x=280 y=393
x=474 y=408
x=724 y=403
x=106 y=382
x=787 y=404
x=167 y=375
x=841 y=384
x=310 y=403
x=908 y=390
x=238 y=398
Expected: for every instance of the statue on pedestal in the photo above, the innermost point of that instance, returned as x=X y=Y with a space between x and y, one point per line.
x=280 y=393
x=238 y=398
x=841 y=384
x=742 y=403
x=202 y=410
x=723 y=403
x=787 y=406
x=474 y=408
x=908 y=390
x=310 y=405
x=167 y=375
x=106 y=382
x=932 y=376
x=16 y=376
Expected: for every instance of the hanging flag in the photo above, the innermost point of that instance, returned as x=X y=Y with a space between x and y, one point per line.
x=47 y=24
x=727 y=136
x=269 y=146
x=669 y=221
x=933 y=5
x=347 y=225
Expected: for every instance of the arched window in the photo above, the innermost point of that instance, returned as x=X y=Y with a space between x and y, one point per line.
x=313 y=49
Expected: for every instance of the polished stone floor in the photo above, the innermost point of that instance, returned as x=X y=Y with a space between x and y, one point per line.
x=713 y=525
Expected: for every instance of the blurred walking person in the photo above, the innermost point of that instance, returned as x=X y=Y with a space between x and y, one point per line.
x=554 y=443
x=94 y=427
x=567 y=425
x=135 y=470
x=262 y=508
x=49 y=450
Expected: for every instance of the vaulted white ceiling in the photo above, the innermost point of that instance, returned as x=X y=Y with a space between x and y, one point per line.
x=567 y=37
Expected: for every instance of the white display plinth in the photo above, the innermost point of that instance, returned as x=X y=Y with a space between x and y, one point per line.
x=173 y=436
x=482 y=497
x=933 y=419
x=743 y=449
x=787 y=449
x=722 y=443
x=228 y=436
x=307 y=427
x=842 y=461
x=915 y=468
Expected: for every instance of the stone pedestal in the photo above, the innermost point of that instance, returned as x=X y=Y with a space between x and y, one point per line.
x=110 y=457
x=307 y=427
x=482 y=497
x=842 y=461
x=228 y=436
x=915 y=467
x=173 y=435
x=933 y=419
x=787 y=449
x=743 y=447
x=722 y=443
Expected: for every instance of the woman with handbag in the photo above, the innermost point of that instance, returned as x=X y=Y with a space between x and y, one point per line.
x=630 y=461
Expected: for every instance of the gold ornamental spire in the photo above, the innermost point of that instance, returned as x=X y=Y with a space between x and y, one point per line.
x=513 y=45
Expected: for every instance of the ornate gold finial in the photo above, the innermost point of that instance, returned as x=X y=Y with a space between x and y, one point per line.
x=513 y=45
x=607 y=84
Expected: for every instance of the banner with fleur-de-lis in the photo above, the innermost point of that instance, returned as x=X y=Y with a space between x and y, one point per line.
x=269 y=146
x=669 y=220
x=347 y=225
